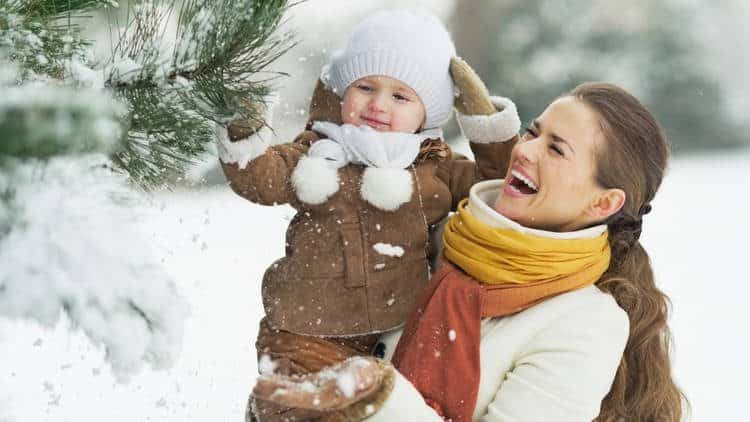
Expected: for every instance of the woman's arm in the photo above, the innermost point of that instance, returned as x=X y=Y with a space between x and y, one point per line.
x=565 y=371
x=404 y=404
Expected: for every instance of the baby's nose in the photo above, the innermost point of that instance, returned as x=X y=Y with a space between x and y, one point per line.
x=377 y=103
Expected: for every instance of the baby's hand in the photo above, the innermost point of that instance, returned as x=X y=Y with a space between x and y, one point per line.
x=243 y=127
x=473 y=97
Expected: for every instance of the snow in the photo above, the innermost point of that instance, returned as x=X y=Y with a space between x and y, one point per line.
x=266 y=366
x=75 y=250
x=695 y=235
x=123 y=71
x=346 y=383
x=388 y=250
x=213 y=374
x=84 y=75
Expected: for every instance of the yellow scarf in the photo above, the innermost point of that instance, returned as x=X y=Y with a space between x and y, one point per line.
x=498 y=256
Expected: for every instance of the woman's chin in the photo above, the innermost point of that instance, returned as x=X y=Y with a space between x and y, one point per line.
x=507 y=211
x=516 y=213
x=509 y=205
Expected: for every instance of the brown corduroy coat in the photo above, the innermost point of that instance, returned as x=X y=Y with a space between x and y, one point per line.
x=331 y=281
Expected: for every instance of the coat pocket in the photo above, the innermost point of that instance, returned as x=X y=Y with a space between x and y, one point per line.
x=354 y=260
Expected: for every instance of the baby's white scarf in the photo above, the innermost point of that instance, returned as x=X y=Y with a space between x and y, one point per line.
x=386 y=183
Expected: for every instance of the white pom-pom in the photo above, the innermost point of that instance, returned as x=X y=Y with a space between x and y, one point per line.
x=386 y=188
x=314 y=180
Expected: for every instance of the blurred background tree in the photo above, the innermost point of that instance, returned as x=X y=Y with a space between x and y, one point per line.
x=533 y=50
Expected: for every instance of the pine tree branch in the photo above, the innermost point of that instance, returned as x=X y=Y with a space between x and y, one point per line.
x=42 y=34
x=222 y=51
x=173 y=94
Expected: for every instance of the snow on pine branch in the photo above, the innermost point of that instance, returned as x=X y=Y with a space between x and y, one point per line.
x=41 y=35
x=43 y=120
x=179 y=85
x=77 y=249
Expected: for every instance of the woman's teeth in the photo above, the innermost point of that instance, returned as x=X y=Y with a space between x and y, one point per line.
x=528 y=182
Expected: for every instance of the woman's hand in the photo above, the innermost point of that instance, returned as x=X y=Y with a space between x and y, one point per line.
x=337 y=387
x=473 y=97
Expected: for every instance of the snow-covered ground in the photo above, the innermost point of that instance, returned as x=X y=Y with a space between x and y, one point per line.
x=217 y=246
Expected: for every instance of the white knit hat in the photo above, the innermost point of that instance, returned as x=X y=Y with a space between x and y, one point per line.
x=414 y=48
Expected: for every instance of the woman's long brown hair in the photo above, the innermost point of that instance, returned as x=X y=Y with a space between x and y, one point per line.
x=633 y=157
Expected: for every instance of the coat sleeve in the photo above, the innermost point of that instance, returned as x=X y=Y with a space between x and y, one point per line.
x=564 y=372
x=404 y=404
x=259 y=172
x=491 y=139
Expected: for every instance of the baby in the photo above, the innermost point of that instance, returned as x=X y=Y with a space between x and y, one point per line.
x=370 y=179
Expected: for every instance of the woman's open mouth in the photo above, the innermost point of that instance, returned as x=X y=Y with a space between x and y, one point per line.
x=520 y=183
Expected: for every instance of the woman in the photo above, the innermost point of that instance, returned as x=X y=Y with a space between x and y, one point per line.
x=565 y=321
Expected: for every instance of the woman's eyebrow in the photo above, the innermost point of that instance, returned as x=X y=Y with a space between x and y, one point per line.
x=555 y=138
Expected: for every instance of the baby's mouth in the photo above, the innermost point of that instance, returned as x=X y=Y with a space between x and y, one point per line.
x=375 y=123
x=522 y=184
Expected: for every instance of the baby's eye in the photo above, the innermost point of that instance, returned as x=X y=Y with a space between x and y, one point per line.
x=364 y=87
x=401 y=98
x=528 y=133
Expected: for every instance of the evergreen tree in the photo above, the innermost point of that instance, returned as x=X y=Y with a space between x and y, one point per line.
x=82 y=137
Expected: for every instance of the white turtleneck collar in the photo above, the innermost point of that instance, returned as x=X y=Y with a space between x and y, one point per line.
x=483 y=195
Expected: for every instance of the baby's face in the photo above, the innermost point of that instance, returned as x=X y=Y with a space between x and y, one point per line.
x=383 y=103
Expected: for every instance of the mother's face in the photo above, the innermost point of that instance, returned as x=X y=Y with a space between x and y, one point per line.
x=550 y=183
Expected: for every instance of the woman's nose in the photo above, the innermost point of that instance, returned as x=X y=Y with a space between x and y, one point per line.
x=526 y=151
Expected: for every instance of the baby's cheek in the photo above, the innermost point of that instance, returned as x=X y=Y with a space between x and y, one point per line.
x=349 y=114
x=405 y=123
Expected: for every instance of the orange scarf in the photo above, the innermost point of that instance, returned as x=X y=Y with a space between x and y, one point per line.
x=501 y=272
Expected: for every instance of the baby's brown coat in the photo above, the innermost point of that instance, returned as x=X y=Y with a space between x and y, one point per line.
x=331 y=281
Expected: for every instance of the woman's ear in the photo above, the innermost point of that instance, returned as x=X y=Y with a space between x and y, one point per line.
x=606 y=203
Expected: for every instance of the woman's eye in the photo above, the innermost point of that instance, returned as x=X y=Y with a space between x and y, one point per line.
x=556 y=149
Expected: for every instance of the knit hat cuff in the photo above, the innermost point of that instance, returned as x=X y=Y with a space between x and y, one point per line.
x=435 y=94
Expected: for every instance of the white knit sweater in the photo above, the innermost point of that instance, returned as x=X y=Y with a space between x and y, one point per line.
x=552 y=362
